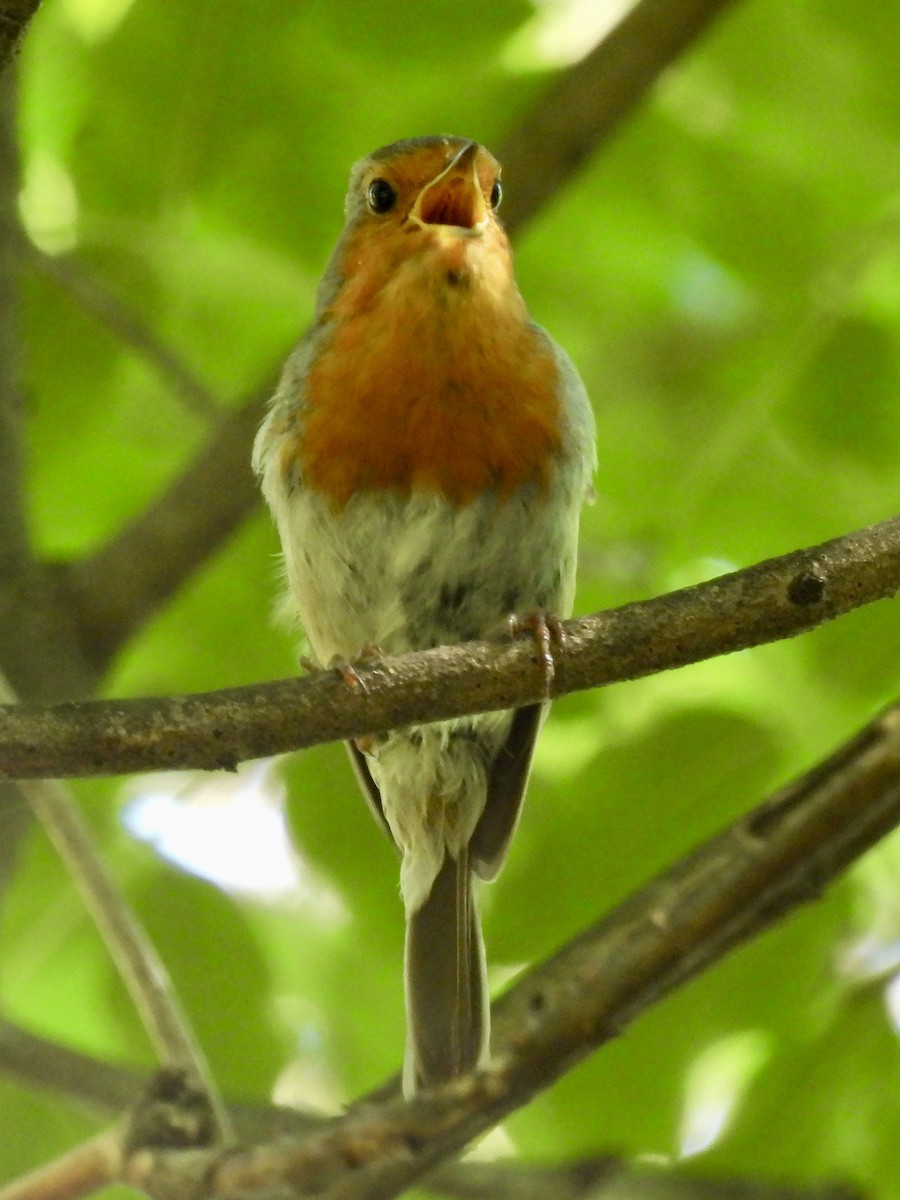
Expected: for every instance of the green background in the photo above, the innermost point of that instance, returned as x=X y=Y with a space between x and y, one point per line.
x=726 y=275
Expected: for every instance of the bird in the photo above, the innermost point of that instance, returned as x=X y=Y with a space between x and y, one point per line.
x=425 y=458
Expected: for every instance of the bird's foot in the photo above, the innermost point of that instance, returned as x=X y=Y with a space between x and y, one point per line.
x=546 y=631
x=347 y=668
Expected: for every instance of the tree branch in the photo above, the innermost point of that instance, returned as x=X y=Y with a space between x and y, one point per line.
x=15 y=553
x=14 y=18
x=586 y=104
x=36 y=648
x=775 y=599
x=607 y=1179
x=39 y=1063
x=88 y=1168
x=732 y=888
x=97 y=299
x=134 y=955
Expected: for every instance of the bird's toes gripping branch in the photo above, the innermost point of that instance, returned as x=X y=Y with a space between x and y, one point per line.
x=546 y=631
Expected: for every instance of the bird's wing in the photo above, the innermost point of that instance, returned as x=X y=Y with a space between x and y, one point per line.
x=369 y=787
x=507 y=781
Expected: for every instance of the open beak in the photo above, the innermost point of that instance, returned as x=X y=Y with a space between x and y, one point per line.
x=454 y=197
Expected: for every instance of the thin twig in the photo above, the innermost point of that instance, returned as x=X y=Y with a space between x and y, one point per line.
x=729 y=890
x=775 y=599
x=80 y=1172
x=97 y=299
x=140 y=967
x=142 y=971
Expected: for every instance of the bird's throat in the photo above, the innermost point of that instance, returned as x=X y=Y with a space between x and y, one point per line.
x=434 y=381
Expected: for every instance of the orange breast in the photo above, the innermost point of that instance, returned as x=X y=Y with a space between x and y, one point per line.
x=436 y=388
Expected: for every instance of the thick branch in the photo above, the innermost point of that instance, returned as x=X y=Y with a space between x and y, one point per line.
x=730 y=889
x=589 y=101
x=37 y=1062
x=14 y=17
x=774 y=599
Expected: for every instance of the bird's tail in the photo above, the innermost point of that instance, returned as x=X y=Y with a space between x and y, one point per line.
x=447 y=1010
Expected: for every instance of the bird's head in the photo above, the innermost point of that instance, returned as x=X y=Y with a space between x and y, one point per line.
x=422 y=213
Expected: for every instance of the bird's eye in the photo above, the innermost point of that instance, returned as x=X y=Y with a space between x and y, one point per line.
x=380 y=196
x=496 y=194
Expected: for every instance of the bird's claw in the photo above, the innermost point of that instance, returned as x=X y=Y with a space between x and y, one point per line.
x=347 y=668
x=546 y=630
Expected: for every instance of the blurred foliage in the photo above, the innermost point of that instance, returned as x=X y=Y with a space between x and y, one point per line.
x=726 y=274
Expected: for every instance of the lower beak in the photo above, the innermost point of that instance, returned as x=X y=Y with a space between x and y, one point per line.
x=454 y=197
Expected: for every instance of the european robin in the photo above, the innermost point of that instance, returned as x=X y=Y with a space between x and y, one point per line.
x=425 y=458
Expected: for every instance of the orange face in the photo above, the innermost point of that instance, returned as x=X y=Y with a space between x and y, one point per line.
x=432 y=181
x=429 y=206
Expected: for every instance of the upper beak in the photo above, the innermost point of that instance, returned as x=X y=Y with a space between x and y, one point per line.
x=454 y=197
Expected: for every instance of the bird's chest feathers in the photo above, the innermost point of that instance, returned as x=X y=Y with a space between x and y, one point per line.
x=433 y=381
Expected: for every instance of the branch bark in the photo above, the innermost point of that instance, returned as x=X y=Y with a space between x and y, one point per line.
x=37 y=1062
x=775 y=599
x=732 y=888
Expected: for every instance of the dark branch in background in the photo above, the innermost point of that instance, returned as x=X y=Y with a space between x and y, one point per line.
x=134 y=955
x=607 y=1179
x=730 y=889
x=14 y=17
x=115 y=590
x=118 y=587
x=39 y=1063
x=588 y=102
x=774 y=599
x=15 y=551
x=36 y=649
